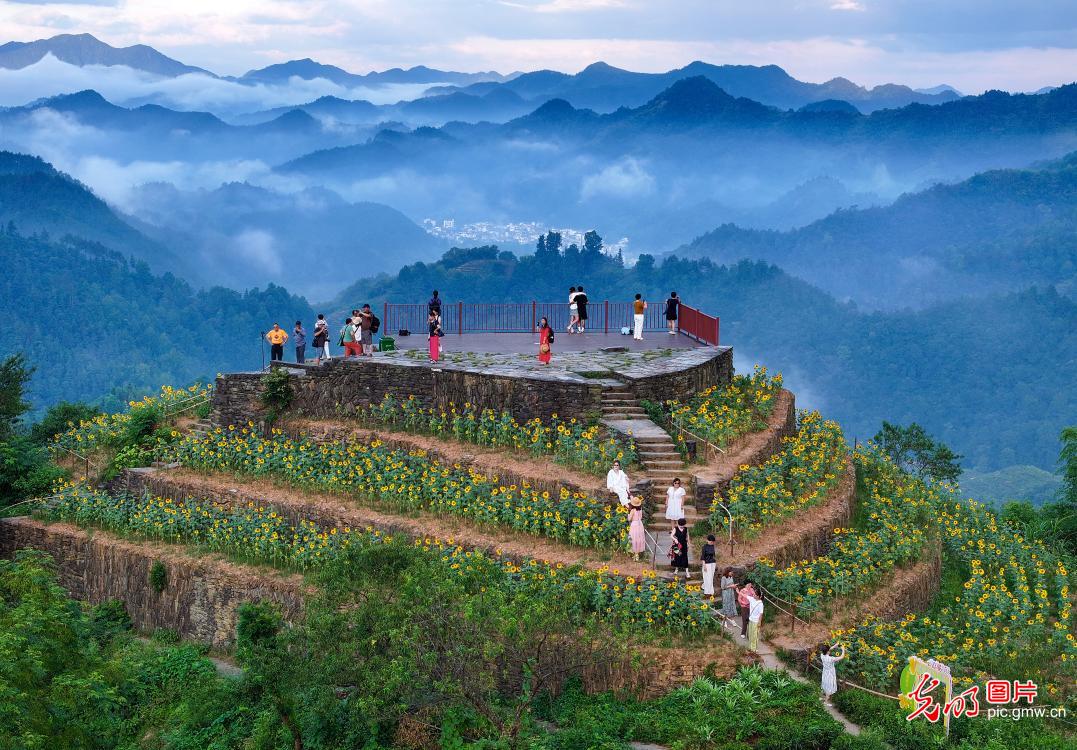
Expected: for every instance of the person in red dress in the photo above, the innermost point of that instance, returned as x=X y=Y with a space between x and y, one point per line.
x=545 y=341
x=434 y=340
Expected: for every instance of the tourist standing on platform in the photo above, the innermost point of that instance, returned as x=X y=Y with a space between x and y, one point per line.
x=707 y=557
x=636 y=533
x=742 y=603
x=545 y=342
x=434 y=304
x=673 y=306
x=581 y=309
x=321 y=338
x=830 y=672
x=729 y=594
x=366 y=331
x=678 y=553
x=573 y=310
x=638 y=307
x=755 y=621
x=617 y=482
x=276 y=338
x=434 y=339
x=347 y=338
x=299 y=339
x=675 y=503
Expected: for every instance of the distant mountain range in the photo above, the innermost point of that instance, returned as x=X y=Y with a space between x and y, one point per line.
x=997 y=231
x=308 y=69
x=599 y=86
x=604 y=88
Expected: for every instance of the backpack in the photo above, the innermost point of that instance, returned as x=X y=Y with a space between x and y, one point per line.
x=375 y=323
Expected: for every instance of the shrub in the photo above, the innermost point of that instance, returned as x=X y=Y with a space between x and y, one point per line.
x=276 y=393
x=158 y=576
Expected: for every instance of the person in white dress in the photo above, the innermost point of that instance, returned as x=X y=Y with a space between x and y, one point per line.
x=675 y=503
x=617 y=483
x=830 y=673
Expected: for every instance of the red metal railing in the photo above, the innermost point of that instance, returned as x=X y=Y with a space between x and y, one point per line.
x=523 y=317
x=699 y=325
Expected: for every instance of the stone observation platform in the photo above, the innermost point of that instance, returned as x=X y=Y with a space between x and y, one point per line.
x=571 y=386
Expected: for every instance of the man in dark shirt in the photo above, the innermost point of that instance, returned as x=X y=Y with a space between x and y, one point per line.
x=581 y=309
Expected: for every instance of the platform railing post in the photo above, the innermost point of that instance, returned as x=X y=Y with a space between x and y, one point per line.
x=385 y=315
x=534 y=314
x=606 y=316
x=460 y=318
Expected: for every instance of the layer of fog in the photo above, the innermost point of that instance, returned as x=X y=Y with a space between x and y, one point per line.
x=192 y=92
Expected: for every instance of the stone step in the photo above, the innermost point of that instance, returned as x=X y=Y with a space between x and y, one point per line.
x=626 y=396
x=662 y=463
x=652 y=443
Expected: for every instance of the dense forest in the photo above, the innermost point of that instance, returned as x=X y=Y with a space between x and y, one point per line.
x=981 y=374
x=95 y=323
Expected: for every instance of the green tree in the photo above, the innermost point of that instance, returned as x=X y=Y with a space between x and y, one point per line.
x=58 y=418
x=15 y=374
x=1067 y=461
x=916 y=452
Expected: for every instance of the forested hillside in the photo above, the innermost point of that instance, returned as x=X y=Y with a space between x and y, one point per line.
x=95 y=323
x=36 y=198
x=997 y=231
x=981 y=374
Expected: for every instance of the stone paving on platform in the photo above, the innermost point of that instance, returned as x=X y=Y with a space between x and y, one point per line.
x=600 y=366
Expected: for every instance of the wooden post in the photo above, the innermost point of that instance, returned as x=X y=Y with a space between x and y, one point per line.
x=534 y=315
x=385 y=315
x=607 y=317
x=460 y=317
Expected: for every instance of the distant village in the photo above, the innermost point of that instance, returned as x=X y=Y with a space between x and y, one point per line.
x=521 y=233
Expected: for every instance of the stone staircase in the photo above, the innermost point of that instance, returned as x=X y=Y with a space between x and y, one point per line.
x=200 y=428
x=661 y=462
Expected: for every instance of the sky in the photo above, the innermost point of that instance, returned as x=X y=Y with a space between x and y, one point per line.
x=974 y=45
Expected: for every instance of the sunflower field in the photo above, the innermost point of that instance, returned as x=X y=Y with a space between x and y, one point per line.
x=257 y=533
x=895 y=528
x=407 y=481
x=797 y=477
x=570 y=442
x=721 y=414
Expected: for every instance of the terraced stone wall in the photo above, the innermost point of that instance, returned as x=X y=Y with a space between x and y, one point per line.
x=200 y=596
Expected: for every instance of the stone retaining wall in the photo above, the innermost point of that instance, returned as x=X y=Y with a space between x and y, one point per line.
x=200 y=597
x=340 y=386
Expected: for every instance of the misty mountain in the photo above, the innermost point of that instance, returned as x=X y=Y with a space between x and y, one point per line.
x=498 y=105
x=313 y=241
x=691 y=145
x=86 y=49
x=604 y=88
x=152 y=132
x=36 y=198
x=308 y=69
x=997 y=231
x=981 y=374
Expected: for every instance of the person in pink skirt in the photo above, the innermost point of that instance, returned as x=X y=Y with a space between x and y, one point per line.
x=636 y=533
x=434 y=341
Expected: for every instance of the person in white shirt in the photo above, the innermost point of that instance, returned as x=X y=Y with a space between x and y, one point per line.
x=755 y=618
x=675 y=503
x=617 y=483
